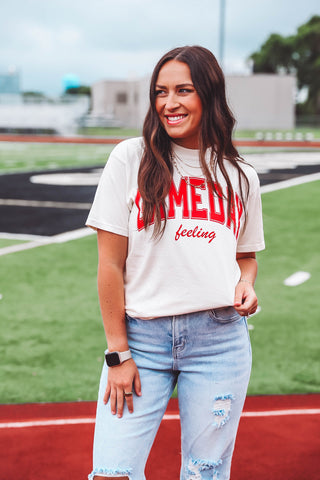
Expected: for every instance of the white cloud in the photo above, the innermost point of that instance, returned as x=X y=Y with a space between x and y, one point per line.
x=107 y=38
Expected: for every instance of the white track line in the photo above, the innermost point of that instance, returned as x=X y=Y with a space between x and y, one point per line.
x=22 y=236
x=169 y=416
x=47 y=423
x=23 y=246
x=283 y=413
x=73 y=235
x=13 y=202
x=290 y=183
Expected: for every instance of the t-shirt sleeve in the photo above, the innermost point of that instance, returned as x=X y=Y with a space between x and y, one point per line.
x=110 y=209
x=251 y=237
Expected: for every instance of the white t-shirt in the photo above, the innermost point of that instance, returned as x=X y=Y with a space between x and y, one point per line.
x=193 y=266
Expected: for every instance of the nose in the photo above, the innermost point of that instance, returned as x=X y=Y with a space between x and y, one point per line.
x=172 y=101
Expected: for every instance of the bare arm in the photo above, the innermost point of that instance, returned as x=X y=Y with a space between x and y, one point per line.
x=245 y=301
x=112 y=256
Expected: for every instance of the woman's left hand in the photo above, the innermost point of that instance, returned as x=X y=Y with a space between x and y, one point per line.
x=245 y=299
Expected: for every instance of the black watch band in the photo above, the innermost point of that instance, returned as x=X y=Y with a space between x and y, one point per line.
x=116 y=358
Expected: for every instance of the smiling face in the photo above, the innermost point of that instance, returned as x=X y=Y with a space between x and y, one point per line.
x=178 y=104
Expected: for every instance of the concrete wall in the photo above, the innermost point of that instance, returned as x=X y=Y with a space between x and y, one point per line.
x=117 y=101
x=257 y=101
x=262 y=101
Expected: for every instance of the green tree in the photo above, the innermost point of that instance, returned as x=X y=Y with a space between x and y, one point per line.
x=274 y=55
x=299 y=54
x=82 y=90
x=32 y=95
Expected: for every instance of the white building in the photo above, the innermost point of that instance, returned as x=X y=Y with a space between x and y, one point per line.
x=260 y=101
x=61 y=116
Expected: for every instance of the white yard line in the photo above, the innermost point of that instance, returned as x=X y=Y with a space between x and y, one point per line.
x=60 y=238
x=297 y=278
x=167 y=417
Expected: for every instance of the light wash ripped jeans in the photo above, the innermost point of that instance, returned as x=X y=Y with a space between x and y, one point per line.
x=208 y=355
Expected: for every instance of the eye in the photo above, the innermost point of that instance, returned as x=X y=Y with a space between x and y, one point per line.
x=159 y=93
x=185 y=90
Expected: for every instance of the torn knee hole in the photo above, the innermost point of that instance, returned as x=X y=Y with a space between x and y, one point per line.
x=221 y=409
x=203 y=469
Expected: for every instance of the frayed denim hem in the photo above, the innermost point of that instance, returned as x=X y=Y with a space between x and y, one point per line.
x=107 y=472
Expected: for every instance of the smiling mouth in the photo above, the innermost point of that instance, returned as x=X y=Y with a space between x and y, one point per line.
x=175 y=119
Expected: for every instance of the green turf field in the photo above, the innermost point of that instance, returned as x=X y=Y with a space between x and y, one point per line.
x=286 y=334
x=4 y=242
x=112 y=132
x=52 y=335
x=20 y=156
x=250 y=134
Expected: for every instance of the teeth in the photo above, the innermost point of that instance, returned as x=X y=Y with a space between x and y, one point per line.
x=177 y=117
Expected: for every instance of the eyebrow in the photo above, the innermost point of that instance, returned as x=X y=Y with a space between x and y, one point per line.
x=178 y=86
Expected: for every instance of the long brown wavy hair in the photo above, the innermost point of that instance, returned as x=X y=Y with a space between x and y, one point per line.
x=217 y=123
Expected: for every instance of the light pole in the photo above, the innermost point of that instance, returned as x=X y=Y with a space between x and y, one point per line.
x=221 y=31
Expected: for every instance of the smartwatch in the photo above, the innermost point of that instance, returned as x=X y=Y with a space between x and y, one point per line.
x=116 y=358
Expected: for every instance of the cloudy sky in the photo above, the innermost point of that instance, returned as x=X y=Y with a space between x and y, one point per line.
x=119 y=39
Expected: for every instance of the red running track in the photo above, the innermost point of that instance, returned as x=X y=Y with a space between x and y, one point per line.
x=278 y=439
x=102 y=140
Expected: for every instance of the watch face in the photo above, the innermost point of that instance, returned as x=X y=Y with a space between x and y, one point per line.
x=112 y=359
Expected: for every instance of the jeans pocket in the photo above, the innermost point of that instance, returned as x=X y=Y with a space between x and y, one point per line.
x=225 y=315
x=130 y=319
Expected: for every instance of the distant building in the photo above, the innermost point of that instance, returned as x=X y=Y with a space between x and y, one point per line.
x=35 y=113
x=61 y=116
x=10 y=82
x=262 y=101
x=119 y=103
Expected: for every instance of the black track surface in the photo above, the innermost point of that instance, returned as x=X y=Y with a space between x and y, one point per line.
x=43 y=221
x=52 y=221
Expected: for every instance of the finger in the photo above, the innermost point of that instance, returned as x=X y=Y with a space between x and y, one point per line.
x=252 y=306
x=237 y=301
x=106 y=395
x=239 y=295
x=113 y=401
x=128 y=396
x=249 y=303
x=253 y=310
x=242 y=311
x=129 y=400
x=137 y=384
x=120 y=402
x=248 y=309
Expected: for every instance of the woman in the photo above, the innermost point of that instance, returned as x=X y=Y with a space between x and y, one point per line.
x=178 y=216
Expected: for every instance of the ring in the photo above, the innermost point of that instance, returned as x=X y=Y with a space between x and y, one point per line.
x=127 y=394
